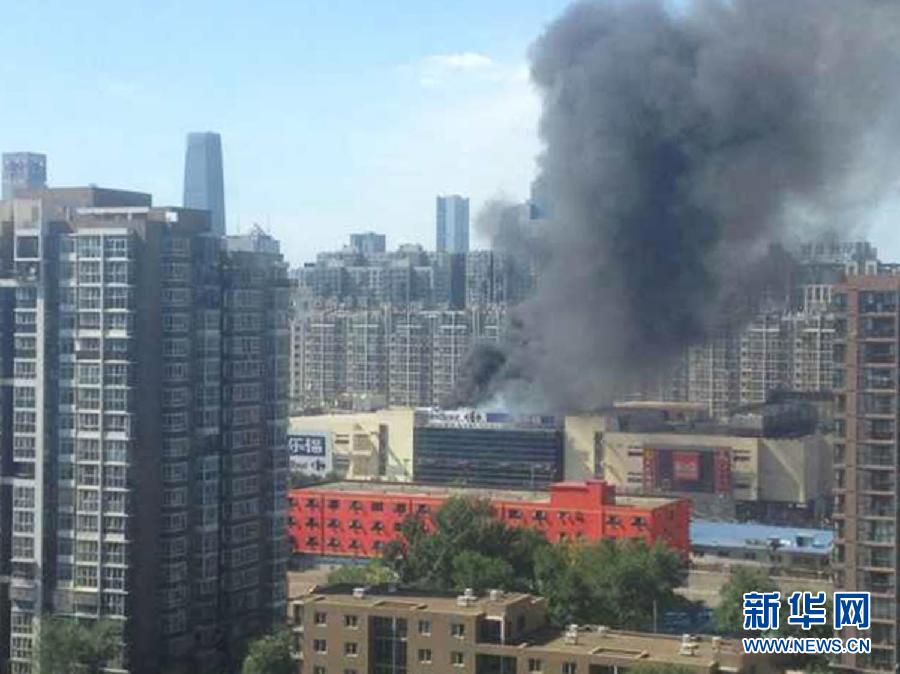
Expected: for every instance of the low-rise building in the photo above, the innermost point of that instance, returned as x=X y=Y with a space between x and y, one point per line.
x=385 y=629
x=769 y=463
x=361 y=446
x=357 y=519
x=784 y=550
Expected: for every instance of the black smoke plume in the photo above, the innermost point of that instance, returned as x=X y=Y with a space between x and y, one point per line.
x=680 y=149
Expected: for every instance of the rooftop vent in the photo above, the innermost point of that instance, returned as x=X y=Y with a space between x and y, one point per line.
x=359 y=593
x=689 y=645
x=467 y=598
x=496 y=595
x=602 y=630
x=571 y=635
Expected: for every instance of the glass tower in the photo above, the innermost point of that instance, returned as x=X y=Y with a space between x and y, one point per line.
x=204 y=184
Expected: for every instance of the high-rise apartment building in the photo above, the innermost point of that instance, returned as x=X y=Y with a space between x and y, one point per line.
x=368 y=243
x=866 y=450
x=23 y=171
x=204 y=181
x=452 y=224
x=145 y=467
x=363 y=359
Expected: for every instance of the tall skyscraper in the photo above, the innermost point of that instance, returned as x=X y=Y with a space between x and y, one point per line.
x=23 y=171
x=204 y=181
x=452 y=224
x=866 y=343
x=144 y=459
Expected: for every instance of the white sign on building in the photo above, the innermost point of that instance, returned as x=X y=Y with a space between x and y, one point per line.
x=310 y=453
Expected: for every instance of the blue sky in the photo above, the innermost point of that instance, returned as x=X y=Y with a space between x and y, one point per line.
x=336 y=116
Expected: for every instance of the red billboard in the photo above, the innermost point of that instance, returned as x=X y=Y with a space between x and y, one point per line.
x=686 y=466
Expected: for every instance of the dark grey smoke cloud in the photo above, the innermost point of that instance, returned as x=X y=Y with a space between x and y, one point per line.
x=680 y=149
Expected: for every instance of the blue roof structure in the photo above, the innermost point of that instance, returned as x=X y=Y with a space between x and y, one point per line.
x=752 y=536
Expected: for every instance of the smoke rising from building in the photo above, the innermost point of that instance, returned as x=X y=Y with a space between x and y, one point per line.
x=680 y=148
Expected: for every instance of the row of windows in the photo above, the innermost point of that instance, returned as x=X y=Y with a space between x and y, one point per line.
x=351 y=621
x=95 y=246
x=457 y=659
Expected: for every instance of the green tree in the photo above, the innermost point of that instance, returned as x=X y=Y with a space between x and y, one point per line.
x=473 y=570
x=616 y=583
x=69 y=647
x=300 y=479
x=373 y=573
x=729 y=614
x=270 y=655
x=426 y=555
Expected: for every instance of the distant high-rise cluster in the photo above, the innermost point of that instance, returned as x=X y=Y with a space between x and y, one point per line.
x=413 y=277
x=367 y=359
x=23 y=171
x=786 y=346
x=144 y=386
x=373 y=327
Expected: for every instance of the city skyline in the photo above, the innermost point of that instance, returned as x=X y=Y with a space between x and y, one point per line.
x=335 y=120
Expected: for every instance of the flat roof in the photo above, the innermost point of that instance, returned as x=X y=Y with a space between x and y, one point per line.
x=427 y=490
x=640 y=646
x=414 y=600
x=751 y=535
x=413 y=489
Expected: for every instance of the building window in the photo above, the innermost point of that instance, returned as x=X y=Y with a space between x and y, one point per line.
x=458 y=630
x=457 y=659
x=569 y=668
x=377 y=506
x=425 y=627
x=320 y=646
x=535 y=665
x=351 y=621
x=351 y=649
x=424 y=655
x=318 y=669
x=388 y=637
x=321 y=619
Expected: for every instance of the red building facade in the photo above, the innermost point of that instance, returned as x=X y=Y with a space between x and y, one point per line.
x=357 y=519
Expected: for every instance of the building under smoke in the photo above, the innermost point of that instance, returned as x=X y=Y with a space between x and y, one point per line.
x=681 y=150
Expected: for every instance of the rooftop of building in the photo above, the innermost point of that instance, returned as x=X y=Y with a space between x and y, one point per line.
x=413 y=489
x=89 y=196
x=641 y=646
x=483 y=419
x=775 y=419
x=417 y=600
x=584 y=640
x=751 y=535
